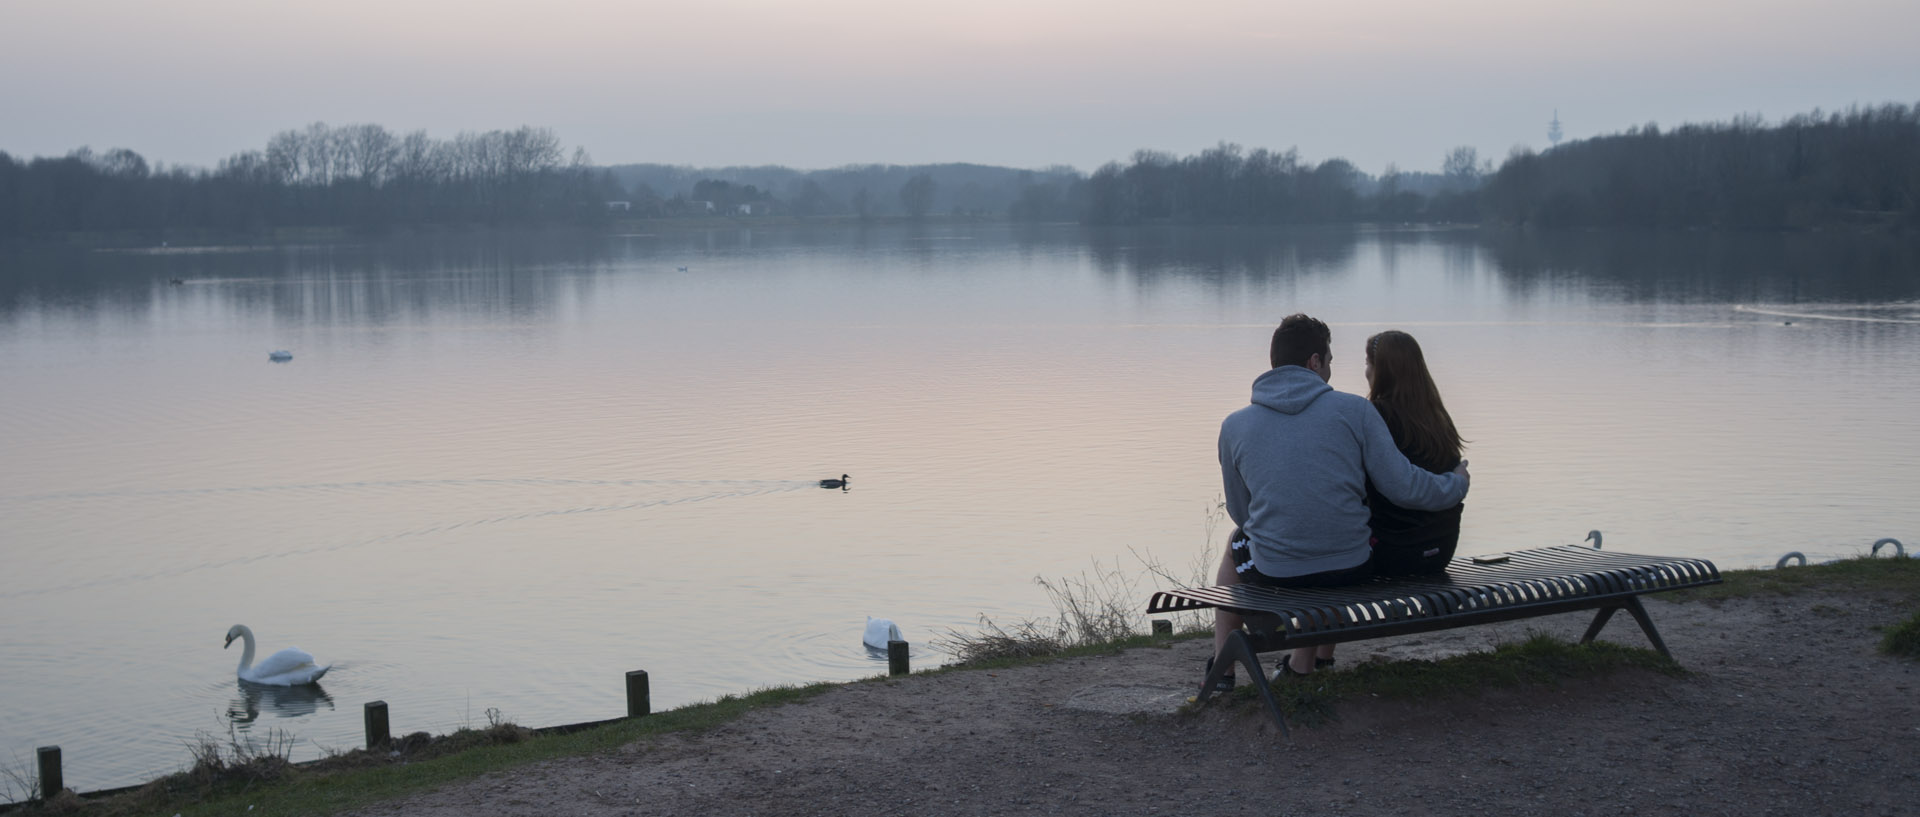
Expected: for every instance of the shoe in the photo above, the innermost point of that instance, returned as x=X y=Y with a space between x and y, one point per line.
x=1226 y=682
x=1286 y=671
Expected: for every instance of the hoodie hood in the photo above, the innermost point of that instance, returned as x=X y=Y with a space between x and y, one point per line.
x=1288 y=389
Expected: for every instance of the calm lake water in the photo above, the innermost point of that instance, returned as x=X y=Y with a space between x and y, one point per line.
x=500 y=472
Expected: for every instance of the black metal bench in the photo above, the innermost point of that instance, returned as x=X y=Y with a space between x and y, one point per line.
x=1528 y=583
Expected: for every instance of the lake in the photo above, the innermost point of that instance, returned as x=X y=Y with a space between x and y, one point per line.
x=500 y=471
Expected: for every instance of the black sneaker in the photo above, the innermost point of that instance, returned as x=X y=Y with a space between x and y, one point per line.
x=1226 y=681
x=1286 y=670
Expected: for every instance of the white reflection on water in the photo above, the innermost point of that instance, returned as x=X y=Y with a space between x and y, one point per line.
x=501 y=473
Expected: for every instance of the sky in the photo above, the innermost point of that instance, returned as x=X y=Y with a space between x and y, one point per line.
x=1022 y=83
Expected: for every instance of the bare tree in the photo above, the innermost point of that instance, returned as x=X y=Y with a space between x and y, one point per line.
x=416 y=159
x=1462 y=167
x=285 y=157
x=369 y=152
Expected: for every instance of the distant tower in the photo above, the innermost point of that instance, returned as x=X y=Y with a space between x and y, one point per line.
x=1553 y=128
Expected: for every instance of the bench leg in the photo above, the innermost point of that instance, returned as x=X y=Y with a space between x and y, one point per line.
x=1632 y=606
x=1599 y=620
x=1240 y=651
x=1646 y=625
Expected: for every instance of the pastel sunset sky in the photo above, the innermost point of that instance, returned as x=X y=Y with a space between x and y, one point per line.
x=1023 y=83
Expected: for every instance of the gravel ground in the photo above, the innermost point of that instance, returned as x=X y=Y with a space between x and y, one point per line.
x=1773 y=721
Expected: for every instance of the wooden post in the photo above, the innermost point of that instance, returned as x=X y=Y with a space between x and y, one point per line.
x=1162 y=626
x=639 y=697
x=897 y=658
x=51 y=781
x=377 y=734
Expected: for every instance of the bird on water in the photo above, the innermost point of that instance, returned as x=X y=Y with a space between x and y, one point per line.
x=840 y=483
x=288 y=667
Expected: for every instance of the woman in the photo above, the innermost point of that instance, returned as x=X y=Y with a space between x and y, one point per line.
x=1405 y=541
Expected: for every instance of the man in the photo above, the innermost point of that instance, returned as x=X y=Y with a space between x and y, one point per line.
x=1295 y=465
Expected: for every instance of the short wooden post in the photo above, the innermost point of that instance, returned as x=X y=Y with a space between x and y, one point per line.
x=897 y=658
x=378 y=735
x=51 y=781
x=1162 y=626
x=639 y=701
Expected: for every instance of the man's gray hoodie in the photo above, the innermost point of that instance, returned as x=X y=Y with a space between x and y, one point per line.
x=1296 y=464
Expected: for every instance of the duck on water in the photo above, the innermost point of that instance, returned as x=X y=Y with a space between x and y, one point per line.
x=840 y=483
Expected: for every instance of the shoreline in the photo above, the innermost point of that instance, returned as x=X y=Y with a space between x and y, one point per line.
x=1736 y=643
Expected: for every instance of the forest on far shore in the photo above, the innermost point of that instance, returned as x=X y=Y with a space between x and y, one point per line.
x=1860 y=167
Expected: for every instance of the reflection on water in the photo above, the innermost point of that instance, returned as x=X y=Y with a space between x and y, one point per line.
x=1736 y=267
x=279 y=701
x=523 y=276
x=504 y=470
x=1222 y=253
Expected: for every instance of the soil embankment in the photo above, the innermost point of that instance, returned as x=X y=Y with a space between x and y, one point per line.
x=1789 y=710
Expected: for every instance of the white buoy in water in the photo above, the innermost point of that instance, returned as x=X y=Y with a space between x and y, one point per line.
x=879 y=632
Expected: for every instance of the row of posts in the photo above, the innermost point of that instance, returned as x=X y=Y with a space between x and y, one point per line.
x=639 y=704
x=379 y=734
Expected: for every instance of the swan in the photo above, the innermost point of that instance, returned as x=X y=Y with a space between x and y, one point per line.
x=1899 y=550
x=1800 y=559
x=879 y=632
x=835 y=483
x=284 y=669
x=1594 y=537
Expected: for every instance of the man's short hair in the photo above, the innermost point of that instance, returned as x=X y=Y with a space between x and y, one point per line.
x=1298 y=338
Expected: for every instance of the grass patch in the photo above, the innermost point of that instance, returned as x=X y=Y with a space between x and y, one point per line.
x=1541 y=660
x=359 y=778
x=1095 y=612
x=1862 y=574
x=1109 y=647
x=1903 y=639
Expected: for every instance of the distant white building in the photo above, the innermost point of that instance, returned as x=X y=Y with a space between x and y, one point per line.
x=622 y=206
x=746 y=209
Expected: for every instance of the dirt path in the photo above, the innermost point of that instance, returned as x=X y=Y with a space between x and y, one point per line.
x=1772 y=722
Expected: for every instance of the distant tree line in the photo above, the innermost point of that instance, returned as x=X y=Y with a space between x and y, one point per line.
x=1858 y=166
x=358 y=176
x=864 y=191
x=1228 y=185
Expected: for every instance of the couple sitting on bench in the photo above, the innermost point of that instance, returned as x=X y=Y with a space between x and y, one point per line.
x=1328 y=488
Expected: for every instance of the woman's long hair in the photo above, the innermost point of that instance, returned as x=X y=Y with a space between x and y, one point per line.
x=1407 y=399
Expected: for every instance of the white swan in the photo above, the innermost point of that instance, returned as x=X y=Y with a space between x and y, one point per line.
x=285 y=668
x=879 y=632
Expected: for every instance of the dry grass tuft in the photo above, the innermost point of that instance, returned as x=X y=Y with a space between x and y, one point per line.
x=1099 y=607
